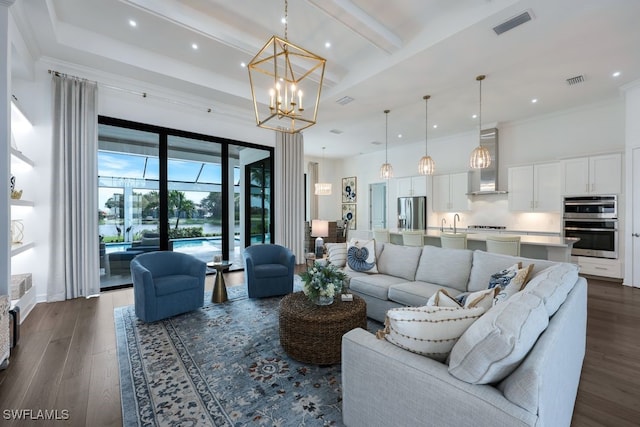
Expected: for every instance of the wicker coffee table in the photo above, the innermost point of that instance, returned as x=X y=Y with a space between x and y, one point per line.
x=313 y=334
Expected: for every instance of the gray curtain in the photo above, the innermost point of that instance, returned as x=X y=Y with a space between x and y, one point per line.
x=312 y=172
x=74 y=269
x=289 y=188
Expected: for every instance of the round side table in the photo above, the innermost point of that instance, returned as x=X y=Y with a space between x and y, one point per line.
x=220 y=288
x=313 y=334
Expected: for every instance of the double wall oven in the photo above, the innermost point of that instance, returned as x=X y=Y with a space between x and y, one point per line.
x=593 y=220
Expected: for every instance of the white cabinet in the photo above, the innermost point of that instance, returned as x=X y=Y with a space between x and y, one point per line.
x=450 y=192
x=602 y=267
x=412 y=186
x=535 y=188
x=592 y=175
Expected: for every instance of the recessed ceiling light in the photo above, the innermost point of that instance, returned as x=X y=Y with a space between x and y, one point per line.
x=399 y=135
x=616 y=74
x=534 y=100
x=327 y=45
x=283 y=20
x=475 y=116
x=435 y=126
x=133 y=23
x=194 y=46
x=242 y=64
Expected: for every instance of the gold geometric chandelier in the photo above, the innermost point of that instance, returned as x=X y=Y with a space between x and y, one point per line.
x=480 y=156
x=286 y=81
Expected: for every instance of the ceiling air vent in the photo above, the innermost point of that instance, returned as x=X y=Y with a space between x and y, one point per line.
x=345 y=100
x=376 y=142
x=512 y=23
x=336 y=131
x=575 y=80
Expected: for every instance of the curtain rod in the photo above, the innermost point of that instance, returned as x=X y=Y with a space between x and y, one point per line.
x=133 y=92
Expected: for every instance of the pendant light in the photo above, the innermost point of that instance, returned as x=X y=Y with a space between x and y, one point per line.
x=323 y=188
x=480 y=157
x=386 y=171
x=426 y=166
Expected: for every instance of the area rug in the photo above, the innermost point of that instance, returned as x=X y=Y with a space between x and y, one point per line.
x=221 y=365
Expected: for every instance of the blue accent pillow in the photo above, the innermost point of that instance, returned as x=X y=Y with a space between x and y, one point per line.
x=361 y=256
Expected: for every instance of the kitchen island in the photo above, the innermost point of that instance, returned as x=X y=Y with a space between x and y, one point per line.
x=553 y=248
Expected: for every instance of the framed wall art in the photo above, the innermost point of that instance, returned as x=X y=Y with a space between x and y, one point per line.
x=349 y=187
x=349 y=214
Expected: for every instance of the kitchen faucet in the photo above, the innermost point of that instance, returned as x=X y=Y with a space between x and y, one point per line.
x=442 y=223
x=456 y=216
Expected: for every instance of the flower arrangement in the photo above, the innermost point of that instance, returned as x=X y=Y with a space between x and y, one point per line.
x=322 y=282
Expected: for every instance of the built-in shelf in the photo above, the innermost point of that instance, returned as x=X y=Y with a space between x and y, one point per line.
x=18 y=155
x=18 y=248
x=20 y=202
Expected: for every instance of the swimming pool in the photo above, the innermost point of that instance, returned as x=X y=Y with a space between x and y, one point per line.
x=197 y=242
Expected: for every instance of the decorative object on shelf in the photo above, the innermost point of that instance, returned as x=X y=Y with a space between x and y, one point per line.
x=426 y=166
x=349 y=187
x=16 y=195
x=323 y=188
x=319 y=229
x=480 y=157
x=17 y=231
x=322 y=283
x=280 y=70
x=349 y=215
x=386 y=170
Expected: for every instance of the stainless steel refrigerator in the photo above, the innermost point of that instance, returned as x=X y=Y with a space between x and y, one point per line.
x=412 y=213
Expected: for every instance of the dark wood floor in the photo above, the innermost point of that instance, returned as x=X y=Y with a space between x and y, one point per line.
x=66 y=360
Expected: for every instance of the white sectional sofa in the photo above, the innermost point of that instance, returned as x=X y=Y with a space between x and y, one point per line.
x=386 y=385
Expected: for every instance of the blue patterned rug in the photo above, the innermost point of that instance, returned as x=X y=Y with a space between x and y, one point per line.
x=221 y=365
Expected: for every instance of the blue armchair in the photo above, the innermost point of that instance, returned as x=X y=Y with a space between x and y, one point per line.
x=269 y=270
x=166 y=284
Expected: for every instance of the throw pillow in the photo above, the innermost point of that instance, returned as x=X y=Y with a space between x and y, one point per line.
x=361 y=256
x=494 y=346
x=442 y=299
x=484 y=299
x=429 y=331
x=553 y=285
x=503 y=277
x=337 y=254
x=515 y=284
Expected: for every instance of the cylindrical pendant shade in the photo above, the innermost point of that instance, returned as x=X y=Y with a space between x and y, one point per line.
x=386 y=171
x=426 y=166
x=480 y=158
x=323 y=189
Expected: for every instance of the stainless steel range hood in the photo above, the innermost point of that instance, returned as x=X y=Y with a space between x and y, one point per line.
x=485 y=181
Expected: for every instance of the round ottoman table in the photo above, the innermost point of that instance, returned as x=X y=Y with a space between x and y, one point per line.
x=313 y=334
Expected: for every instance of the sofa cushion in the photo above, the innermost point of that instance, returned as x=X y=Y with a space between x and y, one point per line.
x=495 y=345
x=361 y=256
x=415 y=293
x=399 y=260
x=553 y=284
x=429 y=331
x=337 y=254
x=446 y=267
x=485 y=264
x=375 y=285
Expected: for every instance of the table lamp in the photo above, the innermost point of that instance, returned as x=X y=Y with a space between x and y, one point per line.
x=319 y=229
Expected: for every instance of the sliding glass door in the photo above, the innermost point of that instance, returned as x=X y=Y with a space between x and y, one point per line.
x=164 y=189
